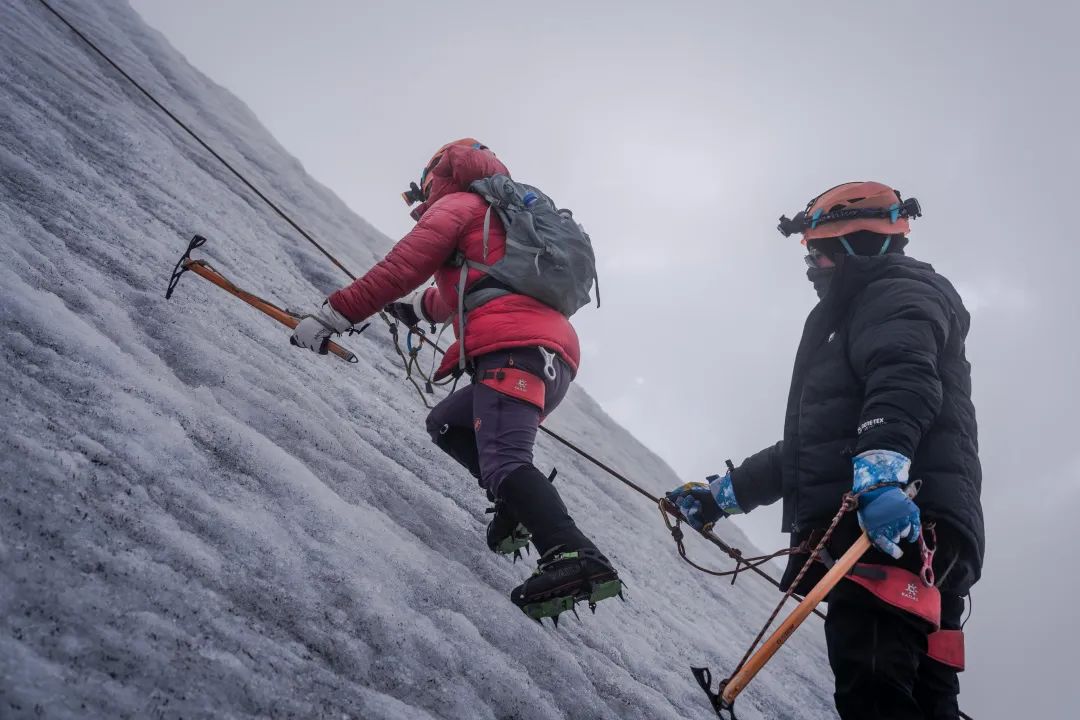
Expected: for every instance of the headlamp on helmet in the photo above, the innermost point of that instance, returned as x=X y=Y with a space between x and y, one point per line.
x=851 y=207
x=802 y=222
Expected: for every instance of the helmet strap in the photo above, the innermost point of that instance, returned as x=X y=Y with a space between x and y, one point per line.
x=885 y=245
x=847 y=245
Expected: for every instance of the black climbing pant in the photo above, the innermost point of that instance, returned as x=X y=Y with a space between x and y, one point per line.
x=878 y=654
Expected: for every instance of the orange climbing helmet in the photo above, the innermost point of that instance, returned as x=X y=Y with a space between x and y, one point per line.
x=851 y=207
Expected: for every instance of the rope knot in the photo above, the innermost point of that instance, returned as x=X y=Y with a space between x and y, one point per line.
x=850 y=502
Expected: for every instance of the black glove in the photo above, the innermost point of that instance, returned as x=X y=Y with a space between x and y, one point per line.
x=410 y=310
x=403 y=312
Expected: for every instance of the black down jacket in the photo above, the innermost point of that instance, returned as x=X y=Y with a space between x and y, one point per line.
x=881 y=365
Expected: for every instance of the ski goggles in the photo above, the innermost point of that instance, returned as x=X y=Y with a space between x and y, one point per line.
x=802 y=222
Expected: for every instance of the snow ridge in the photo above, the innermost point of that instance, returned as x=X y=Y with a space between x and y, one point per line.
x=198 y=520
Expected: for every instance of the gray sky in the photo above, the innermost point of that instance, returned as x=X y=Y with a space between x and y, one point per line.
x=679 y=132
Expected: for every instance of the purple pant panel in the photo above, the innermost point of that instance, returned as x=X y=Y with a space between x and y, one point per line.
x=500 y=429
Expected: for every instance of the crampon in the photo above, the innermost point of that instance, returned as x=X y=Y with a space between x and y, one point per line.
x=505 y=535
x=565 y=578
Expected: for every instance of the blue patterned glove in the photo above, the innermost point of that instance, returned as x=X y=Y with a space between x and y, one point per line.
x=702 y=505
x=887 y=514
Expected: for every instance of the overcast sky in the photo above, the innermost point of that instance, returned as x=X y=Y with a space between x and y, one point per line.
x=679 y=132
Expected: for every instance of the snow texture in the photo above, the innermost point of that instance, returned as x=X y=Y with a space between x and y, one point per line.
x=199 y=520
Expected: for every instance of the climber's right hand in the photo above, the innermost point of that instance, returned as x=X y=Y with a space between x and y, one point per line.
x=313 y=331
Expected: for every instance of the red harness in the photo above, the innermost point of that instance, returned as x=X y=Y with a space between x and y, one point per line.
x=516 y=383
x=917 y=595
x=900 y=588
x=947 y=647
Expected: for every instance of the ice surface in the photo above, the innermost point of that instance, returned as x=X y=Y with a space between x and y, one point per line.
x=198 y=520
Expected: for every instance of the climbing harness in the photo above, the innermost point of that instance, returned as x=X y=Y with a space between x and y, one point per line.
x=205 y=270
x=729 y=689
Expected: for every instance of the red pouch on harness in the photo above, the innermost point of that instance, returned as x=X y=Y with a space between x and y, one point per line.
x=516 y=383
x=947 y=647
x=900 y=588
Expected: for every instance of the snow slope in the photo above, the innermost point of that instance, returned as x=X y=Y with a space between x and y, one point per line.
x=198 y=520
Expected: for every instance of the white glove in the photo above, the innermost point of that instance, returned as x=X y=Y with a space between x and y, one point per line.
x=314 y=330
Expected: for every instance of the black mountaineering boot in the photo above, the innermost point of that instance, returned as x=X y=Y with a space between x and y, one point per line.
x=505 y=535
x=564 y=578
x=571 y=568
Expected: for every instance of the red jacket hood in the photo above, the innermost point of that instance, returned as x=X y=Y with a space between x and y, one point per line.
x=459 y=167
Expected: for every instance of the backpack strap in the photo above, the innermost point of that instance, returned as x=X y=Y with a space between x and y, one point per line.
x=487 y=229
x=474 y=300
x=462 y=278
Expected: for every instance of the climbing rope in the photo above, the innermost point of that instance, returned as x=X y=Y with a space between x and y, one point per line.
x=410 y=363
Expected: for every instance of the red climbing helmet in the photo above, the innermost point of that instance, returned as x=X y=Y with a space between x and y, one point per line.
x=419 y=193
x=852 y=207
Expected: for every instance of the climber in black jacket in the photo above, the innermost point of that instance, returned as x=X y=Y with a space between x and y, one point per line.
x=880 y=395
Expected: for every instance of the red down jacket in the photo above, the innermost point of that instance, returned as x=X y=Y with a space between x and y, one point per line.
x=452 y=220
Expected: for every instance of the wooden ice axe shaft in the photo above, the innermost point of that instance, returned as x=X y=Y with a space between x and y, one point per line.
x=203 y=270
x=757 y=661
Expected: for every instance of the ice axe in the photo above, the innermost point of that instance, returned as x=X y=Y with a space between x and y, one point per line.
x=205 y=270
x=723 y=701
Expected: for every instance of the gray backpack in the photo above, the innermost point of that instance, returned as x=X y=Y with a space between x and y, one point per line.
x=548 y=257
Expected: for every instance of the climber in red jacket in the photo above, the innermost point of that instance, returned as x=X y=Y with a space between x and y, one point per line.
x=490 y=425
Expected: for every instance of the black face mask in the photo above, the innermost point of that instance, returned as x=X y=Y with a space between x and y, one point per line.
x=821 y=278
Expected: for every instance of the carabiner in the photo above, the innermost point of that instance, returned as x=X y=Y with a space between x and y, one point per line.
x=549 y=363
x=927 y=571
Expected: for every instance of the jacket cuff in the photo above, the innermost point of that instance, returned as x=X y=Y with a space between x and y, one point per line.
x=724 y=493
x=875 y=467
x=332 y=304
x=331 y=318
x=418 y=305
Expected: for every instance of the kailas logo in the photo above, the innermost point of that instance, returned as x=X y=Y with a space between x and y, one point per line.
x=831 y=336
x=523 y=385
x=911 y=592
